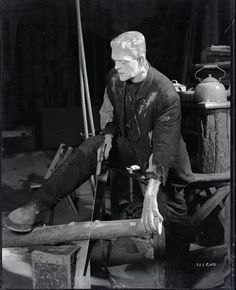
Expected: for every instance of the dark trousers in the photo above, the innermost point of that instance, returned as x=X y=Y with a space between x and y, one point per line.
x=81 y=164
x=74 y=171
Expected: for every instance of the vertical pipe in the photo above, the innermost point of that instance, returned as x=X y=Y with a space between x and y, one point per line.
x=81 y=45
x=83 y=102
x=82 y=66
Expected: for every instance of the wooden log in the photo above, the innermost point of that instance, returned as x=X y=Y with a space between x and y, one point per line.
x=209 y=126
x=74 y=231
x=215 y=141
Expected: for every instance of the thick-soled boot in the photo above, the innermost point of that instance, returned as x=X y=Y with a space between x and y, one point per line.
x=25 y=218
x=74 y=171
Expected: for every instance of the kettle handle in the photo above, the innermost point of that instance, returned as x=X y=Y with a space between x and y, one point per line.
x=209 y=66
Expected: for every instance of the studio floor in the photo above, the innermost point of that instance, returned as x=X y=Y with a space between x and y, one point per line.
x=127 y=263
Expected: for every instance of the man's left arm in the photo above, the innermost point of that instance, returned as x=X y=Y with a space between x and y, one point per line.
x=165 y=138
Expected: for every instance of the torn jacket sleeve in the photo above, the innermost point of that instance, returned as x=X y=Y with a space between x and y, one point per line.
x=107 y=116
x=166 y=136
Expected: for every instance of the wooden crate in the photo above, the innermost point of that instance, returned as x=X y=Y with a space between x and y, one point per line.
x=54 y=267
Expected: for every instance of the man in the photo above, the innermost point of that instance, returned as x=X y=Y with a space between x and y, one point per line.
x=140 y=120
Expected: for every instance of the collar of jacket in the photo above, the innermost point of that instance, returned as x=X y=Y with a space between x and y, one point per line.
x=146 y=84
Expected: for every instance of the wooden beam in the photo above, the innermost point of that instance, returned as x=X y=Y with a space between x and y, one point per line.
x=210 y=179
x=209 y=254
x=74 y=231
x=209 y=205
x=216 y=177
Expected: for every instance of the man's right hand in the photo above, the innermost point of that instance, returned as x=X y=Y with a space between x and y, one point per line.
x=104 y=150
x=107 y=145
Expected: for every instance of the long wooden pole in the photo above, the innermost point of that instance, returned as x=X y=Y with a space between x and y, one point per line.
x=83 y=103
x=85 y=95
x=74 y=231
x=84 y=69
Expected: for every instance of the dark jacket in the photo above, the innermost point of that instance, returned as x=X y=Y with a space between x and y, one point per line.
x=155 y=126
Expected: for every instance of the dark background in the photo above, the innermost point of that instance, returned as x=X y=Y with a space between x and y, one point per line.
x=40 y=80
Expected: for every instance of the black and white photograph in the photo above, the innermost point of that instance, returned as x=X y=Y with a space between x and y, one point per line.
x=117 y=144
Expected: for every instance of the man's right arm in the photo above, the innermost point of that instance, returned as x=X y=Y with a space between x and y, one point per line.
x=108 y=126
x=108 y=121
x=106 y=111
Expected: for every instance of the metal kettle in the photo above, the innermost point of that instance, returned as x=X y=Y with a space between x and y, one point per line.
x=210 y=89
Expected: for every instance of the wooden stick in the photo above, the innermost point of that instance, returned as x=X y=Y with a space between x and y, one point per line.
x=74 y=231
x=81 y=281
x=83 y=101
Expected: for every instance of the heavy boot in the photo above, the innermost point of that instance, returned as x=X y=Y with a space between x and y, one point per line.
x=74 y=171
x=25 y=218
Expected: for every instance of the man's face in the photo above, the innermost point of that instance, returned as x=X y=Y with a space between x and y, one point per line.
x=126 y=65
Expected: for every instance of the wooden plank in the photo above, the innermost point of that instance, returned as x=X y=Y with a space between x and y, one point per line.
x=81 y=281
x=56 y=160
x=211 y=177
x=209 y=205
x=74 y=231
x=16 y=133
x=203 y=180
x=59 y=157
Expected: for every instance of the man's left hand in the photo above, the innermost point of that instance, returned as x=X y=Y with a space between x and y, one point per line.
x=151 y=217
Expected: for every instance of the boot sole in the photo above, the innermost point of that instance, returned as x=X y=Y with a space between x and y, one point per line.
x=23 y=228
x=17 y=227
